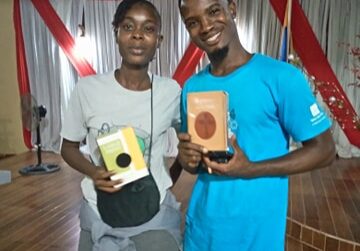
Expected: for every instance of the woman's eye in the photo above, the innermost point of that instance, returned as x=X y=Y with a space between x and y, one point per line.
x=149 y=29
x=128 y=27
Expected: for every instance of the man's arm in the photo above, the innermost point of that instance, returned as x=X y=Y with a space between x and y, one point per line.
x=72 y=155
x=315 y=153
x=190 y=154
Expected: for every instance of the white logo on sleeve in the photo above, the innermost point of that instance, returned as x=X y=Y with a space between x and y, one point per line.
x=317 y=114
x=314 y=110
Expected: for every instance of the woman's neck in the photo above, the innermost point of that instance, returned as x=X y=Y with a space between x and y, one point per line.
x=136 y=80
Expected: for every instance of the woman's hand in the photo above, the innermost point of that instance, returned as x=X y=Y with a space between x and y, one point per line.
x=102 y=181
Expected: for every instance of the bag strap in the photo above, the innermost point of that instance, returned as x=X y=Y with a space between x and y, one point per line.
x=151 y=118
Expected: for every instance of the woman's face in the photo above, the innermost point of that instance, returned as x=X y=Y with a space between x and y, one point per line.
x=138 y=36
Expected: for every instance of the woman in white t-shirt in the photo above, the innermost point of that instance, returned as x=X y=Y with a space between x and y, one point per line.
x=149 y=104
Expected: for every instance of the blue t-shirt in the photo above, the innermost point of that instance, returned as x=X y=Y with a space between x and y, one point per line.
x=269 y=101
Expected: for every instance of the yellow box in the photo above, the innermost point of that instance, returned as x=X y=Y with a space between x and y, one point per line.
x=121 y=153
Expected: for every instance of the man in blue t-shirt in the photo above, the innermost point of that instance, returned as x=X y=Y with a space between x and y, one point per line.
x=242 y=204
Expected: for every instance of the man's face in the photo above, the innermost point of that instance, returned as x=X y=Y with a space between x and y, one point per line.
x=210 y=23
x=138 y=36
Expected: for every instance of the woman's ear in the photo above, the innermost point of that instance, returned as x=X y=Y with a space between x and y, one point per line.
x=159 y=40
x=116 y=33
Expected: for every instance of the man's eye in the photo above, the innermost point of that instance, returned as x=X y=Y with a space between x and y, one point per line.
x=190 y=24
x=214 y=11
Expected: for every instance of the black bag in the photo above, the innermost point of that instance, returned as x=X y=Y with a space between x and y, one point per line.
x=134 y=204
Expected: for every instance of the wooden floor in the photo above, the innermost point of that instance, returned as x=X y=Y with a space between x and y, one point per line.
x=324 y=207
x=41 y=212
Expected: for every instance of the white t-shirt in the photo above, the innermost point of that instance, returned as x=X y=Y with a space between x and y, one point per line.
x=100 y=100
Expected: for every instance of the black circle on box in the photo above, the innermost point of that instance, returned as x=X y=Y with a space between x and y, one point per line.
x=123 y=160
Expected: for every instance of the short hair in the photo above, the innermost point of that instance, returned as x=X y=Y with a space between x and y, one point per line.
x=126 y=5
x=179 y=3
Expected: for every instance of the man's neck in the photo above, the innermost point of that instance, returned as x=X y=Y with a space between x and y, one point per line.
x=227 y=60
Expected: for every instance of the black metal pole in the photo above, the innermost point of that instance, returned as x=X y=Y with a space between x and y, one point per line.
x=38 y=143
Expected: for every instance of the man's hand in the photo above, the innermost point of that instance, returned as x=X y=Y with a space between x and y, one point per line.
x=189 y=154
x=315 y=153
x=238 y=166
x=103 y=182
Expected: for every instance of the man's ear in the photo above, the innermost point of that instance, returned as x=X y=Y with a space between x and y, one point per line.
x=232 y=9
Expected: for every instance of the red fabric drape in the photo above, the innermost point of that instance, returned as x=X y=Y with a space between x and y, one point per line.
x=313 y=58
x=22 y=71
x=188 y=63
x=62 y=36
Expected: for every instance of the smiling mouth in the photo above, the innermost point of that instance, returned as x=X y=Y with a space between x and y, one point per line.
x=213 y=39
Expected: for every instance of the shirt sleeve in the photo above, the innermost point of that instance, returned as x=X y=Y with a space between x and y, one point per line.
x=299 y=112
x=176 y=117
x=183 y=110
x=74 y=126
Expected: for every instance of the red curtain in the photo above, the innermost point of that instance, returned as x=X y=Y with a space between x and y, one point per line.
x=188 y=63
x=22 y=71
x=314 y=60
x=60 y=33
x=62 y=36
